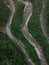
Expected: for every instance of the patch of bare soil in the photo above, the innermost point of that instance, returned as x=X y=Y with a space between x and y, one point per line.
x=2 y=29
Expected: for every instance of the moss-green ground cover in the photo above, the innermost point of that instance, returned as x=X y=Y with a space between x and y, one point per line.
x=9 y=53
x=4 y=13
x=36 y=30
x=15 y=28
x=47 y=15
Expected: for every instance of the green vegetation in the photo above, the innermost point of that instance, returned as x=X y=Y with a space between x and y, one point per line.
x=4 y=13
x=36 y=30
x=47 y=14
x=15 y=28
x=9 y=53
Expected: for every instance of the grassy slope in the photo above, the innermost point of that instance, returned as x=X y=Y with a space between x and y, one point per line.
x=47 y=14
x=35 y=28
x=4 y=12
x=9 y=53
x=15 y=27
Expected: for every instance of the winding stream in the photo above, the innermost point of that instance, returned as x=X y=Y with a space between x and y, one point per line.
x=18 y=43
x=43 y=20
x=26 y=17
x=27 y=14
